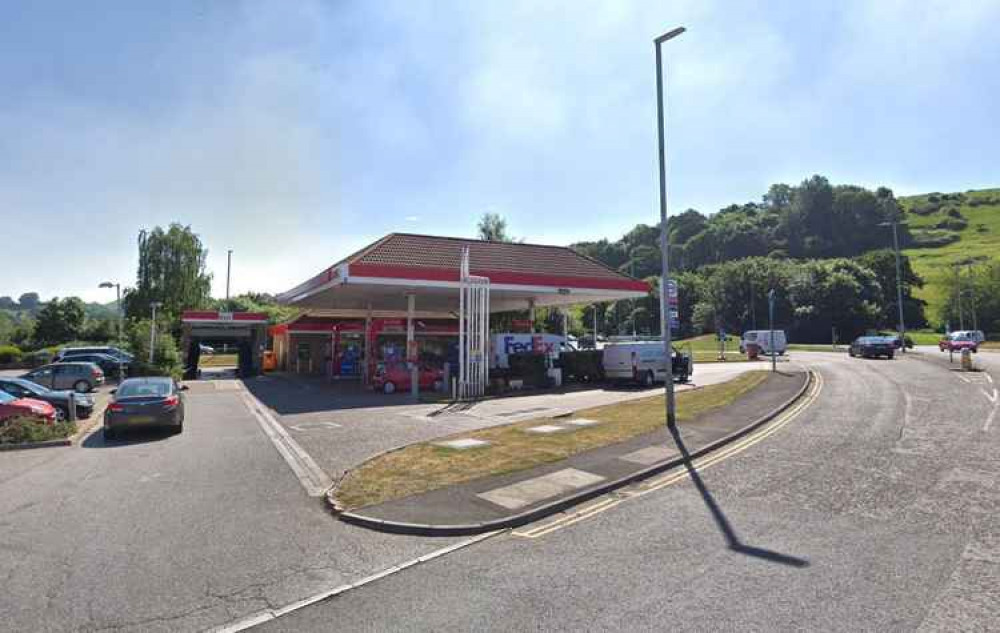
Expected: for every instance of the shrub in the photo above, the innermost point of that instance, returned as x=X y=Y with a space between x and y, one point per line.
x=952 y=224
x=39 y=357
x=529 y=367
x=926 y=209
x=933 y=198
x=930 y=238
x=955 y=213
x=22 y=429
x=10 y=354
x=982 y=228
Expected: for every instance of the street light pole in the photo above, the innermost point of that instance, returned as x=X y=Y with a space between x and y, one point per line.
x=770 y=327
x=229 y=264
x=664 y=251
x=899 y=286
x=121 y=319
x=152 y=330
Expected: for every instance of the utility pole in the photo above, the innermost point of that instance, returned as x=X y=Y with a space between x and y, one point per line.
x=972 y=297
x=121 y=320
x=770 y=326
x=152 y=330
x=229 y=264
x=664 y=252
x=958 y=297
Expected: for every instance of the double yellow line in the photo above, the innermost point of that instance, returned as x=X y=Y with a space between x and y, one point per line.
x=617 y=497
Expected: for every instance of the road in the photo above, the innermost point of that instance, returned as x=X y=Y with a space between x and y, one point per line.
x=875 y=509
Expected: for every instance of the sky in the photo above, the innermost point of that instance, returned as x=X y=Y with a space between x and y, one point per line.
x=296 y=132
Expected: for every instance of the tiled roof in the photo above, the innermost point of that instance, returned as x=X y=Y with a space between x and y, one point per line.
x=405 y=249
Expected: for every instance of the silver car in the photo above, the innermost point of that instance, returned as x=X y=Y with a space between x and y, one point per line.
x=80 y=377
x=145 y=402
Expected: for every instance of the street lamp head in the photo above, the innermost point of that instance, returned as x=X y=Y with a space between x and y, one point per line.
x=669 y=35
x=155 y=304
x=106 y=284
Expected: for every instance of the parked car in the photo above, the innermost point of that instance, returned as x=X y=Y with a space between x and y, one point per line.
x=642 y=362
x=206 y=349
x=154 y=401
x=13 y=407
x=20 y=388
x=958 y=341
x=762 y=339
x=67 y=353
x=396 y=377
x=108 y=364
x=80 y=377
x=873 y=347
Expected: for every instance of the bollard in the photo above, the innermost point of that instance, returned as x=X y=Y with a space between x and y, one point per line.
x=414 y=381
x=71 y=407
x=966 y=360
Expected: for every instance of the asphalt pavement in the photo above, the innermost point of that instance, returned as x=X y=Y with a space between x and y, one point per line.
x=171 y=533
x=874 y=509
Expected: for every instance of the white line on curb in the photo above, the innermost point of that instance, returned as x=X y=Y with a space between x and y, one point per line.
x=310 y=475
x=271 y=614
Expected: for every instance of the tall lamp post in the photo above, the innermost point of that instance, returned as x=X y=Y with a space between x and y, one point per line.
x=665 y=269
x=121 y=318
x=899 y=280
x=152 y=330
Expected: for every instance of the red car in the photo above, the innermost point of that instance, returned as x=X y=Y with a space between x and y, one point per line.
x=397 y=378
x=958 y=342
x=11 y=407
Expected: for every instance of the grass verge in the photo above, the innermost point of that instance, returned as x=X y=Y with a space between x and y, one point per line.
x=424 y=467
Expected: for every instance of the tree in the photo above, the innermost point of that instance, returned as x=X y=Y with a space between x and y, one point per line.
x=493 y=228
x=883 y=263
x=99 y=330
x=171 y=271
x=59 y=321
x=6 y=303
x=29 y=300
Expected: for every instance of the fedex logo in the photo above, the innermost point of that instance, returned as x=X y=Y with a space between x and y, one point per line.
x=535 y=345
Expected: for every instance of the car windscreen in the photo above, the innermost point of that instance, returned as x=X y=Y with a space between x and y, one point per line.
x=6 y=398
x=157 y=389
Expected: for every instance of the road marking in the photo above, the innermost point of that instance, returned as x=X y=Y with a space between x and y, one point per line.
x=305 y=426
x=267 y=615
x=310 y=475
x=989 y=378
x=615 y=498
x=992 y=397
x=989 y=419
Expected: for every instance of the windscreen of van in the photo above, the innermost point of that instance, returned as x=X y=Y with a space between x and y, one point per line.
x=751 y=336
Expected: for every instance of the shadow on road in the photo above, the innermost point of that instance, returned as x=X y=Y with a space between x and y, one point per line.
x=132 y=436
x=732 y=539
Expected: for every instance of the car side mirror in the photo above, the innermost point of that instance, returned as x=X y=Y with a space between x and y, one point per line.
x=114 y=391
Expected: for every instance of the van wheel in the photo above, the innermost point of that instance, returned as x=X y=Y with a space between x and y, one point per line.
x=389 y=387
x=647 y=379
x=81 y=386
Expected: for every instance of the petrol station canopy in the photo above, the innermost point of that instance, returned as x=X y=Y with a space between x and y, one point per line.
x=380 y=276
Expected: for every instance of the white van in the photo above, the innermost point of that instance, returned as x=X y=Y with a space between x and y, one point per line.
x=642 y=361
x=763 y=340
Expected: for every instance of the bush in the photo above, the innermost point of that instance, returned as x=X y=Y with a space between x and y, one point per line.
x=952 y=224
x=37 y=358
x=10 y=354
x=982 y=228
x=955 y=213
x=22 y=429
x=930 y=238
x=926 y=209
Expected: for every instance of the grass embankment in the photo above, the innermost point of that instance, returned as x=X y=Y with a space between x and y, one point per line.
x=423 y=467
x=979 y=240
x=705 y=348
x=218 y=360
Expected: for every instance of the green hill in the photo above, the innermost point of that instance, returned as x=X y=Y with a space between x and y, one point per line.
x=950 y=229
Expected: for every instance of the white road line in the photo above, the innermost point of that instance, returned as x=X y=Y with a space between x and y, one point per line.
x=270 y=614
x=989 y=420
x=989 y=378
x=992 y=397
x=310 y=475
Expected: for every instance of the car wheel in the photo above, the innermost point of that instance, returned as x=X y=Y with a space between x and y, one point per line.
x=177 y=430
x=647 y=379
x=891 y=356
x=81 y=386
x=61 y=414
x=389 y=387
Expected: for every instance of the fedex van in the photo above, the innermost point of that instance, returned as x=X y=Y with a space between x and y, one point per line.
x=503 y=345
x=762 y=338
